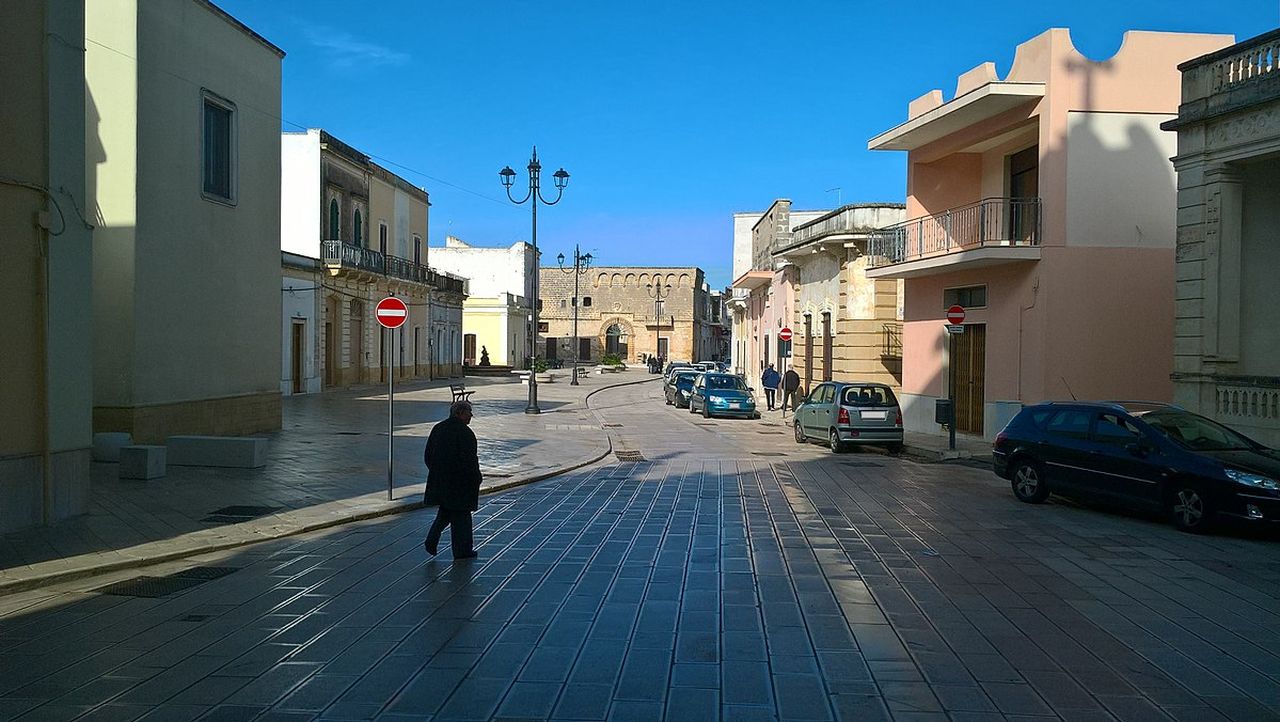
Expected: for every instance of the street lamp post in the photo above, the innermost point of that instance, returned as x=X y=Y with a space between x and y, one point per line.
x=580 y=263
x=657 y=292
x=533 y=197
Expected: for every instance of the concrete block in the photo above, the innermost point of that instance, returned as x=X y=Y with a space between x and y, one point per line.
x=142 y=462
x=107 y=445
x=242 y=452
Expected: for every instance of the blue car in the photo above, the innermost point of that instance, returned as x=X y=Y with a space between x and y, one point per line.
x=716 y=394
x=679 y=387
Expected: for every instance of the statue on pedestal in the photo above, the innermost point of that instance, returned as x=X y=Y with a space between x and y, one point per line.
x=484 y=356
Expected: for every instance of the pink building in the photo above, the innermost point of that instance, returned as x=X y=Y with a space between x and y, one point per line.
x=1045 y=204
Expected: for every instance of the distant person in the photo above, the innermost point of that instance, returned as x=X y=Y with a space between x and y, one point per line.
x=453 y=480
x=790 y=391
x=770 y=380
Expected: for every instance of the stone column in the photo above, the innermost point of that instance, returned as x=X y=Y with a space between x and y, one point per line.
x=1224 y=194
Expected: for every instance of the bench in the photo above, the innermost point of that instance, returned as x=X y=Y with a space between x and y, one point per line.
x=142 y=462
x=460 y=392
x=241 y=452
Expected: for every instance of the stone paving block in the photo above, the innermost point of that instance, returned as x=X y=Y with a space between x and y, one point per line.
x=584 y=702
x=801 y=697
x=644 y=675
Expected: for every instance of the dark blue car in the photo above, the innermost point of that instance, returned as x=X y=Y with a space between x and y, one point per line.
x=1153 y=457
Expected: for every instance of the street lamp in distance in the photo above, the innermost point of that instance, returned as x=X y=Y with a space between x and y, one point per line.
x=658 y=291
x=581 y=262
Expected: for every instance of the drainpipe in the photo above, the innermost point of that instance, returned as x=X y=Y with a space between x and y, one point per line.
x=1035 y=294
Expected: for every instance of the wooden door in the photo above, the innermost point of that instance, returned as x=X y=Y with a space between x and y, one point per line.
x=469 y=349
x=968 y=373
x=299 y=348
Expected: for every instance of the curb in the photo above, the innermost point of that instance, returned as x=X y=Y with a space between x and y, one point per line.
x=21 y=585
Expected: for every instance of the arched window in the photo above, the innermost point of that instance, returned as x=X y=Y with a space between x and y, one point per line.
x=333 y=220
x=358 y=239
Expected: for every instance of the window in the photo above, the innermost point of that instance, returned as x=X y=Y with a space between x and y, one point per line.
x=417 y=249
x=564 y=303
x=334 y=220
x=382 y=237
x=968 y=296
x=867 y=396
x=1070 y=424
x=586 y=301
x=218 y=157
x=357 y=232
x=1113 y=429
x=543 y=327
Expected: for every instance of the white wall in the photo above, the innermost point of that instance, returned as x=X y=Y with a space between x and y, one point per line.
x=1121 y=187
x=296 y=304
x=492 y=271
x=742 y=250
x=300 y=193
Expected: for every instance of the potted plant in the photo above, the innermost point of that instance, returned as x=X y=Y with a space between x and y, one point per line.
x=540 y=370
x=612 y=362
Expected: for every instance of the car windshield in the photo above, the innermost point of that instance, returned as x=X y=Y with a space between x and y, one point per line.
x=685 y=376
x=867 y=396
x=1195 y=432
x=723 y=383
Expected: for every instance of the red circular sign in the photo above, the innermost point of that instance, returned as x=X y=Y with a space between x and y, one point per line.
x=785 y=334
x=391 y=312
x=955 y=315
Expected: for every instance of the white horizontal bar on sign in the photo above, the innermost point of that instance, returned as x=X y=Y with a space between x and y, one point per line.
x=395 y=312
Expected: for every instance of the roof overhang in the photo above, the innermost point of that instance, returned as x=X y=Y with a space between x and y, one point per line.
x=752 y=280
x=981 y=103
x=958 y=261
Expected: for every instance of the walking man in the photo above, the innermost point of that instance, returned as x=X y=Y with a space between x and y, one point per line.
x=790 y=390
x=453 y=479
x=770 y=380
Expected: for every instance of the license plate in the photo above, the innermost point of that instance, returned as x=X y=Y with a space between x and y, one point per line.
x=735 y=406
x=879 y=415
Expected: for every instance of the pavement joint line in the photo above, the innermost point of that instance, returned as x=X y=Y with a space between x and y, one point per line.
x=140 y=562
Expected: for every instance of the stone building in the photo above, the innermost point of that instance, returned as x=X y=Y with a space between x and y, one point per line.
x=1226 y=355
x=618 y=313
x=184 y=179
x=365 y=229
x=845 y=326
x=46 y=390
x=495 y=317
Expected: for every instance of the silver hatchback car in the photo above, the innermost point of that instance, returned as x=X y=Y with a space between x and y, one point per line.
x=848 y=414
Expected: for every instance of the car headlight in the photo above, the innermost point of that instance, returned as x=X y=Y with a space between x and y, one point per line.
x=716 y=399
x=1257 y=481
x=684 y=392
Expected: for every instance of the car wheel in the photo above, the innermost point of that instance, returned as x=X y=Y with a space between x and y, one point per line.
x=1190 y=509
x=706 y=411
x=800 y=437
x=1028 y=482
x=670 y=402
x=834 y=441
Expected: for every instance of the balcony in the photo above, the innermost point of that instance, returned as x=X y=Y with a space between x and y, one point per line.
x=1241 y=77
x=444 y=282
x=338 y=255
x=406 y=270
x=989 y=232
x=848 y=223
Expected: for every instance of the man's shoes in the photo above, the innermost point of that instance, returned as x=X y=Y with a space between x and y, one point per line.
x=466 y=555
x=431 y=549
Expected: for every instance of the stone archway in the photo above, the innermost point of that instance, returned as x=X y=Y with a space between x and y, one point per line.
x=615 y=337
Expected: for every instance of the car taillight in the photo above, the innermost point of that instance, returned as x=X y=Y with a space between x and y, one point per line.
x=1000 y=439
x=844 y=416
x=897 y=419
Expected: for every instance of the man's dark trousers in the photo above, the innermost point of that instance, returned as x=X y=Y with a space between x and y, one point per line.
x=459 y=523
x=768 y=397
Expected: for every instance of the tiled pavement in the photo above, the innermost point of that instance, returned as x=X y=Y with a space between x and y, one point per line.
x=327 y=465
x=734 y=575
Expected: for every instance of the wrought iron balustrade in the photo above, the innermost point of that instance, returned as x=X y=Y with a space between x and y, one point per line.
x=986 y=223
x=346 y=255
x=891 y=344
x=406 y=270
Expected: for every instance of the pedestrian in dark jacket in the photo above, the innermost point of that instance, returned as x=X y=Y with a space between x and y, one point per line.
x=770 y=380
x=453 y=479
x=790 y=390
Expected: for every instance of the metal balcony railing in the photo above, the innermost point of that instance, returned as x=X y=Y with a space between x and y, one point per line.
x=989 y=222
x=891 y=344
x=346 y=255
x=406 y=270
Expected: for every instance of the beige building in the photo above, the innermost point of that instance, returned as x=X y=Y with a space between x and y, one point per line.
x=365 y=227
x=619 y=314
x=1226 y=362
x=184 y=103
x=845 y=326
x=46 y=393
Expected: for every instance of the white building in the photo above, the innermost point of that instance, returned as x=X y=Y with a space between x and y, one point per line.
x=497 y=310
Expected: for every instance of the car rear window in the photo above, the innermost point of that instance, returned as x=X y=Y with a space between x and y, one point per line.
x=867 y=396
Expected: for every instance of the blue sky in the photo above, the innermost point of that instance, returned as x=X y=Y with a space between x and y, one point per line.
x=670 y=116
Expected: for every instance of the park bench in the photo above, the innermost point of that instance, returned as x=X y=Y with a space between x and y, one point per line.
x=460 y=392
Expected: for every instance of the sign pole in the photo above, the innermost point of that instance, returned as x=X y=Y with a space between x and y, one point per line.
x=391 y=313
x=951 y=392
x=391 y=414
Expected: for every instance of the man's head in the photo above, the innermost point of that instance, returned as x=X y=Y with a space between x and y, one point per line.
x=770 y=366
x=461 y=410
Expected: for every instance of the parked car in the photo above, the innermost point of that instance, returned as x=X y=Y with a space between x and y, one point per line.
x=849 y=414
x=1153 y=457
x=679 y=387
x=722 y=395
x=672 y=366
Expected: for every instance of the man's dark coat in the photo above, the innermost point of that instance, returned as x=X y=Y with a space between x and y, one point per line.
x=453 y=466
x=791 y=381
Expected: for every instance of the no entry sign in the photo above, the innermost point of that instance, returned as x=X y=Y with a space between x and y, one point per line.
x=785 y=334
x=391 y=312
x=955 y=315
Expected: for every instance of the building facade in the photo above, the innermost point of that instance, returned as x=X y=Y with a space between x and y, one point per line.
x=1226 y=355
x=497 y=312
x=45 y=281
x=619 y=314
x=361 y=229
x=184 y=181
x=764 y=288
x=845 y=326
x=1042 y=203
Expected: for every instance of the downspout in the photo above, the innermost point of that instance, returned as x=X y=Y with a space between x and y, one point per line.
x=1035 y=294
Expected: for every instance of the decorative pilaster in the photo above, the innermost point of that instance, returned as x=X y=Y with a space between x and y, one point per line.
x=1222 y=234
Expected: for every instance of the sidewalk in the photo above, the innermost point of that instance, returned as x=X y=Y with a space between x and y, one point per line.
x=929 y=447
x=326 y=466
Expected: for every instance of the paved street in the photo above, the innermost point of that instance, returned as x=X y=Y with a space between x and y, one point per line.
x=730 y=574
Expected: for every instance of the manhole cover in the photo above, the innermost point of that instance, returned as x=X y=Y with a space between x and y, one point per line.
x=768 y=453
x=861 y=464
x=611 y=426
x=629 y=455
x=237 y=514
x=155 y=587
x=347 y=433
x=779 y=433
